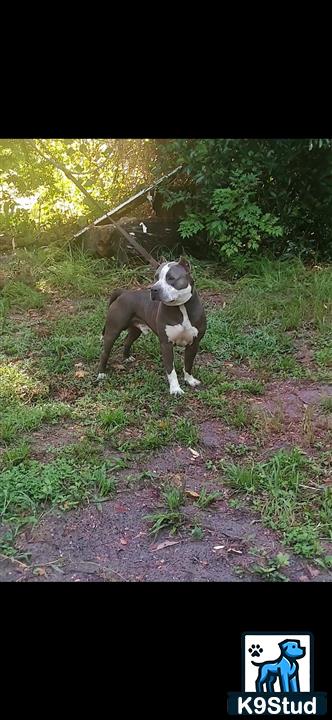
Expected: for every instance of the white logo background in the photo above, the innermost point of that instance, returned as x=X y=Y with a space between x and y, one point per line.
x=271 y=652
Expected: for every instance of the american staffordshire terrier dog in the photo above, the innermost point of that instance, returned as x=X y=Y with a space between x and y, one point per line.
x=285 y=668
x=171 y=308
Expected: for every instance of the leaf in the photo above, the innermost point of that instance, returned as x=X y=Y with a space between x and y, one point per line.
x=80 y=373
x=165 y=544
x=192 y=493
x=123 y=541
x=194 y=453
x=218 y=547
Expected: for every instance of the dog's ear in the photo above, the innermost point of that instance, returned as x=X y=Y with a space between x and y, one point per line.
x=183 y=261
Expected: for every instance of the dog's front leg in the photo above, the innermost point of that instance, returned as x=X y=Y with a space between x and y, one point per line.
x=284 y=683
x=168 y=359
x=294 y=685
x=189 y=357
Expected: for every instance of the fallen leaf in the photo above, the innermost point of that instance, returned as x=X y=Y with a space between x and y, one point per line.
x=80 y=373
x=123 y=541
x=79 y=365
x=218 y=547
x=192 y=493
x=118 y=366
x=194 y=453
x=167 y=543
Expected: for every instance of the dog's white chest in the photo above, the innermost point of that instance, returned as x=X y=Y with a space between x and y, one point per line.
x=184 y=333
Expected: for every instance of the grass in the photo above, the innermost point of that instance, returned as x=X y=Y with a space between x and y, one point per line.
x=52 y=309
x=289 y=492
x=270 y=569
x=268 y=305
x=326 y=404
x=18 y=418
x=206 y=499
x=171 y=518
x=27 y=488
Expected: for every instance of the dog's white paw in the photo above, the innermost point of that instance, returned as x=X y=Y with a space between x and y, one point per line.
x=130 y=359
x=174 y=386
x=101 y=377
x=190 y=380
x=176 y=391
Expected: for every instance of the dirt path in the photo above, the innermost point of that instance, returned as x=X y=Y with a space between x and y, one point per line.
x=110 y=542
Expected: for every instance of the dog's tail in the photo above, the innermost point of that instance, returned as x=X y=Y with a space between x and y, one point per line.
x=114 y=296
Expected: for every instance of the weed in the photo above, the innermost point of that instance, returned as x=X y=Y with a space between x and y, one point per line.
x=197 y=533
x=205 y=499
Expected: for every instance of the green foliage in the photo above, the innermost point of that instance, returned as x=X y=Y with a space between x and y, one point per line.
x=237 y=222
x=272 y=195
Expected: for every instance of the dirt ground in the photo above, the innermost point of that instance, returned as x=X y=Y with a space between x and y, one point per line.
x=109 y=541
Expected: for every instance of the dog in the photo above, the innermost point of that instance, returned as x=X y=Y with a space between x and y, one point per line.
x=171 y=308
x=285 y=668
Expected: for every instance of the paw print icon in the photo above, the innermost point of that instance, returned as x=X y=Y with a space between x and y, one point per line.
x=255 y=650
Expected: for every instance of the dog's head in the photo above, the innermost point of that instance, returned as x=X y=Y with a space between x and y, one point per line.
x=292 y=649
x=173 y=282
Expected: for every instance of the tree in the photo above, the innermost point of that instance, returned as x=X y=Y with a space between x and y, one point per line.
x=49 y=187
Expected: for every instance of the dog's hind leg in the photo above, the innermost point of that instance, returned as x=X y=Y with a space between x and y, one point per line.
x=133 y=334
x=109 y=340
x=270 y=684
x=263 y=676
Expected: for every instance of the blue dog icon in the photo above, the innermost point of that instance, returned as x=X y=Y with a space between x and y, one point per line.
x=285 y=668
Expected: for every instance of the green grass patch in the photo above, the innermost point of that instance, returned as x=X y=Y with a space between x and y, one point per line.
x=28 y=488
x=17 y=419
x=289 y=492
